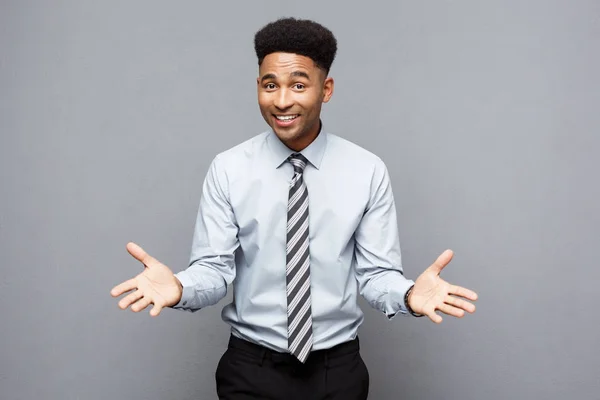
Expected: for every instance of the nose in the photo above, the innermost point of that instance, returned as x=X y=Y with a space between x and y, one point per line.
x=283 y=99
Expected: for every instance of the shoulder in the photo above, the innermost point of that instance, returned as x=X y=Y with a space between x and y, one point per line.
x=365 y=168
x=240 y=156
x=243 y=151
x=227 y=165
x=342 y=148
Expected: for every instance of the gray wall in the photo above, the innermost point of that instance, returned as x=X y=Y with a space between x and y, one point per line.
x=487 y=115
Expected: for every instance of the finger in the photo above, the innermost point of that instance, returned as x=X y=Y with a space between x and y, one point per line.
x=442 y=261
x=450 y=310
x=459 y=303
x=123 y=287
x=139 y=254
x=433 y=316
x=463 y=292
x=130 y=299
x=155 y=310
x=141 y=304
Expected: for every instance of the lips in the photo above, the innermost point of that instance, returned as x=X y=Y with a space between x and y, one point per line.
x=285 y=120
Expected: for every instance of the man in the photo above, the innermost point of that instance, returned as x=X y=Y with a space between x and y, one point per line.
x=300 y=221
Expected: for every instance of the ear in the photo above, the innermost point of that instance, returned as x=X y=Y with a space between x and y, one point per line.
x=327 y=89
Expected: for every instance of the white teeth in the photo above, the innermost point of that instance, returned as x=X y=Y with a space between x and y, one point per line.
x=285 y=117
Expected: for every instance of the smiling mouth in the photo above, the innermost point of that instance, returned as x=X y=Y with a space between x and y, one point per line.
x=286 y=118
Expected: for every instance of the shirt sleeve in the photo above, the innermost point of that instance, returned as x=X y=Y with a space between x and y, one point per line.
x=215 y=240
x=378 y=262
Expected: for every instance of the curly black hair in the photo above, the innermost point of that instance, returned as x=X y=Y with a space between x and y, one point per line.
x=298 y=36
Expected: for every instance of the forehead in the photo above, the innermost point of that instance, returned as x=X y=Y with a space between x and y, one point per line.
x=284 y=63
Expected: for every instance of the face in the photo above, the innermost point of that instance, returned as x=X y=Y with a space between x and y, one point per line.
x=291 y=91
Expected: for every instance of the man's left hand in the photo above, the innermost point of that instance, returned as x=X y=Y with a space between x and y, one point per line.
x=432 y=293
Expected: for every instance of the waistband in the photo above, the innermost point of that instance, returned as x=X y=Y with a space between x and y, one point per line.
x=261 y=352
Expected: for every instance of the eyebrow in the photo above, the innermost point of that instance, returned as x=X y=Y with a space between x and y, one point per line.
x=267 y=77
x=300 y=74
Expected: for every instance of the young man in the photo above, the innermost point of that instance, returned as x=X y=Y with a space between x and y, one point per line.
x=300 y=221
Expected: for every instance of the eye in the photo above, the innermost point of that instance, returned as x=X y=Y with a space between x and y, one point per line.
x=299 y=86
x=270 y=86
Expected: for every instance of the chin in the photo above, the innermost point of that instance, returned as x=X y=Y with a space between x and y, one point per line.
x=286 y=135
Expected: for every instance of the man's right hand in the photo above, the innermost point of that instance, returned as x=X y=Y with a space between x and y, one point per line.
x=155 y=285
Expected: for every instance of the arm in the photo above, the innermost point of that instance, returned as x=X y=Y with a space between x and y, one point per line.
x=212 y=261
x=377 y=249
x=379 y=271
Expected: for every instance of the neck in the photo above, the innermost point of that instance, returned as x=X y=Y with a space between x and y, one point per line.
x=303 y=142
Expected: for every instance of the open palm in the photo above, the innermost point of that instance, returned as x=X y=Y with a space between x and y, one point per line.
x=432 y=293
x=156 y=284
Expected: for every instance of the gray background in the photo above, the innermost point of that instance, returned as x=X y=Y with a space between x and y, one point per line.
x=487 y=115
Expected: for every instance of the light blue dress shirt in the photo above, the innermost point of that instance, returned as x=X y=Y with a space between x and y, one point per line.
x=240 y=238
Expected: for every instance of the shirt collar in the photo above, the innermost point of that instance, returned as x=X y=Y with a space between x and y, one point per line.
x=313 y=152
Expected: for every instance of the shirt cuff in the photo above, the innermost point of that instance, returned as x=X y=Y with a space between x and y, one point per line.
x=397 y=294
x=187 y=295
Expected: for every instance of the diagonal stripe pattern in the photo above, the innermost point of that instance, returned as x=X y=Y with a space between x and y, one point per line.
x=300 y=334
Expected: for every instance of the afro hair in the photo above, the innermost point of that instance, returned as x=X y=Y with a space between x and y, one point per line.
x=298 y=36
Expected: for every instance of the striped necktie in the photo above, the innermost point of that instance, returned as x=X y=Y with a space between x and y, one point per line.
x=300 y=337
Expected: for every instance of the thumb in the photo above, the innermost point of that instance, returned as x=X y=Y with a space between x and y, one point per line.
x=139 y=254
x=443 y=260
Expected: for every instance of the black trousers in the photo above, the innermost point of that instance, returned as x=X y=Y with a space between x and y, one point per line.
x=248 y=371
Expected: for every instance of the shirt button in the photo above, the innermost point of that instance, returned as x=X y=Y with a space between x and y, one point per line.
x=184 y=303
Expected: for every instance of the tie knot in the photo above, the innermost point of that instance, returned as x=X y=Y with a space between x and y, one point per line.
x=298 y=161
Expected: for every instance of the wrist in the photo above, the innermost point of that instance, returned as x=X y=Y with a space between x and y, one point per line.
x=407 y=298
x=179 y=285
